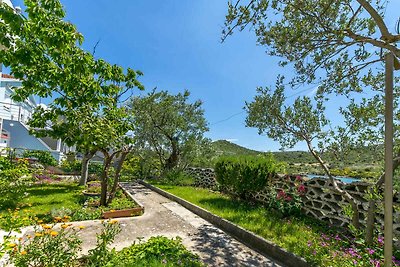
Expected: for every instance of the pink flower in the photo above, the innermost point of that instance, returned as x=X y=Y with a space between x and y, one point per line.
x=281 y=194
x=299 y=178
x=301 y=189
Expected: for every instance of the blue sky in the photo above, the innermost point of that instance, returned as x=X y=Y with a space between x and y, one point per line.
x=176 y=44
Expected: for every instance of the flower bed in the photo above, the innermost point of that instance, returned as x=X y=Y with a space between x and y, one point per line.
x=47 y=202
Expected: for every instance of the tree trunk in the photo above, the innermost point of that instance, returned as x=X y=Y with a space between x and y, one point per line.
x=173 y=159
x=117 y=176
x=104 y=179
x=356 y=213
x=85 y=167
x=370 y=224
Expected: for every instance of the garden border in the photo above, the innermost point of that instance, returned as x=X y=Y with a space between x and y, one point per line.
x=261 y=245
x=126 y=192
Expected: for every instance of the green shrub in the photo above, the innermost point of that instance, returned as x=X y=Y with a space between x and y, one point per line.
x=95 y=168
x=243 y=175
x=43 y=157
x=177 y=177
x=5 y=163
x=101 y=254
x=13 y=183
x=71 y=166
x=48 y=247
x=165 y=251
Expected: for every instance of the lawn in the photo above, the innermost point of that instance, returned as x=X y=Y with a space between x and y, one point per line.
x=318 y=243
x=44 y=202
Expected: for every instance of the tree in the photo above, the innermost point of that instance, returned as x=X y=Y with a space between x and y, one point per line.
x=86 y=92
x=169 y=125
x=335 y=44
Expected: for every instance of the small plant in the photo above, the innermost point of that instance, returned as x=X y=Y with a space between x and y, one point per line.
x=47 y=247
x=94 y=187
x=101 y=255
x=161 y=250
x=12 y=220
x=121 y=203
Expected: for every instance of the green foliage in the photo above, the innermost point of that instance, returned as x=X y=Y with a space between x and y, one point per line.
x=83 y=214
x=5 y=163
x=101 y=254
x=13 y=183
x=95 y=168
x=226 y=148
x=177 y=177
x=48 y=247
x=318 y=243
x=162 y=250
x=132 y=167
x=120 y=203
x=43 y=157
x=243 y=175
x=169 y=126
x=71 y=166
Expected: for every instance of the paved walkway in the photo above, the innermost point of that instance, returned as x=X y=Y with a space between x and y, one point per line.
x=167 y=218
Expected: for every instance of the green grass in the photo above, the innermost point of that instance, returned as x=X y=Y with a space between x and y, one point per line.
x=43 y=198
x=292 y=234
x=44 y=202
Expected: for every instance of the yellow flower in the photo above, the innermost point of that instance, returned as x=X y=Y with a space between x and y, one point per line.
x=23 y=252
x=57 y=218
x=63 y=226
x=12 y=245
x=45 y=226
x=38 y=234
x=112 y=210
x=53 y=233
x=40 y=221
x=113 y=222
x=20 y=239
x=81 y=227
x=29 y=236
x=67 y=217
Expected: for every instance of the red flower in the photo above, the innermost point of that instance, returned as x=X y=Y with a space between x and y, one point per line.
x=301 y=189
x=281 y=194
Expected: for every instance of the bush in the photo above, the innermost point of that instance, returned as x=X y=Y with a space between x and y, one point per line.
x=243 y=175
x=162 y=250
x=71 y=166
x=178 y=177
x=13 y=183
x=48 y=247
x=43 y=157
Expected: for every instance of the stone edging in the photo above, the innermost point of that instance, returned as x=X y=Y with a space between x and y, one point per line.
x=253 y=241
x=126 y=192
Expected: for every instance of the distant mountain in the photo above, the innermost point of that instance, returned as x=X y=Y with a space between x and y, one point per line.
x=226 y=148
x=360 y=155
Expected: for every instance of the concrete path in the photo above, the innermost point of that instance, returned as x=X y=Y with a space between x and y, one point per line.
x=167 y=218
x=164 y=217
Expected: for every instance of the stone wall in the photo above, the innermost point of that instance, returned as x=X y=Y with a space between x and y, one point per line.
x=203 y=177
x=319 y=201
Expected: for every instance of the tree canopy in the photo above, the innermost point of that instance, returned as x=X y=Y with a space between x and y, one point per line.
x=169 y=125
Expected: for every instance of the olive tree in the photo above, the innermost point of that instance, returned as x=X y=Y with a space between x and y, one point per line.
x=170 y=126
x=338 y=47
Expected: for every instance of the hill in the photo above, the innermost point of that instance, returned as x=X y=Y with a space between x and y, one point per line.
x=226 y=148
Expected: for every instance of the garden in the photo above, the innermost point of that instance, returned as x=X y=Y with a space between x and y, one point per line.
x=280 y=219
x=336 y=47
x=51 y=204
